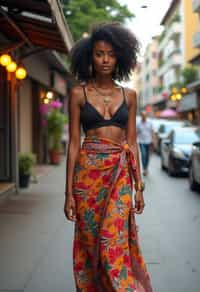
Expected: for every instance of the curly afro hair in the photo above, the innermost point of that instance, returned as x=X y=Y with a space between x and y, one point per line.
x=124 y=43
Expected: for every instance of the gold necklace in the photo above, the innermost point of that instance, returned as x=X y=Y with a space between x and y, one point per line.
x=106 y=97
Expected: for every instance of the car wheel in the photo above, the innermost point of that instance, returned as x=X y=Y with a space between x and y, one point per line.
x=171 y=171
x=162 y=164
x=194 y=186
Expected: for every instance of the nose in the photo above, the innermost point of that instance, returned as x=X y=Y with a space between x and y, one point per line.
x=106 y=58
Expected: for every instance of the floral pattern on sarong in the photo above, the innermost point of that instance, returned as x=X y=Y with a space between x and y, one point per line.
x=105 y=253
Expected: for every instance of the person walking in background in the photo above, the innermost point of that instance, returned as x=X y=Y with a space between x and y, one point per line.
x=145 y=139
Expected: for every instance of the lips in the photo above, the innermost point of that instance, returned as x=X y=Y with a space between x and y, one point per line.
x=106 y=68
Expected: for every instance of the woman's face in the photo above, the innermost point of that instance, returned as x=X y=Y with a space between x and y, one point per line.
x=104 y=58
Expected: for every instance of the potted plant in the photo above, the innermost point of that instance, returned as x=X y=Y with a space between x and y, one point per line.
x=26 y=163
x=55 y=126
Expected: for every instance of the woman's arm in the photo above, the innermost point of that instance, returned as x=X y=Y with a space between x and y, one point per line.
x=73 y=149
x=132 y=132
x=132 y=141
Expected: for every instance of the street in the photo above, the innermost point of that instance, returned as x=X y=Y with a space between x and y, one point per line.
x=36 y=238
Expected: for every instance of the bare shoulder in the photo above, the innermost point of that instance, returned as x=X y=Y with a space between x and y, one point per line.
x=77 y=94
x=131 y=96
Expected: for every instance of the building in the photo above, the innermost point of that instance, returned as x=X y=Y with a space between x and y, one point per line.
x=175 y=43
x=171 y=46
x=135 y=83
x=33 y=35
x=189 y=106
x=149 y=75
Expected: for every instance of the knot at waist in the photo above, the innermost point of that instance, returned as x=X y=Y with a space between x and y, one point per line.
x=108 y=146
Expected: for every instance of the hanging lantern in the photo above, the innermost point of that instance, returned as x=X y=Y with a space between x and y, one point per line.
x=46 y=101
x=11 y=67
x=5 y=60
x=173 y=97
x=49 y=94
x=184 y=90
x=174 y=90
x=178 y=96
x=21 y=73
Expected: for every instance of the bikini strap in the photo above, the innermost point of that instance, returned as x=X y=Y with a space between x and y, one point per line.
x=84 y=92
x=124 y=94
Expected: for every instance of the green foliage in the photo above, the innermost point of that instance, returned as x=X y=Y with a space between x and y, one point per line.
x=26 y=161
x=161 y=62
x=189 y=74
x=161 y=37
x=82 y=14
x=55 y=126
x=177 y=85
x=160 y=88
x=175 y=18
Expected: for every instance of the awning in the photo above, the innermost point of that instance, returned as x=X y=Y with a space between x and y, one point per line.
x=39 y=23
x=195 y=60
x=194 y=85
x=168 y=113
x=188 y=102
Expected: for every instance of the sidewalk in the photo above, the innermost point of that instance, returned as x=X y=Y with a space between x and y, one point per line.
x=36 y=238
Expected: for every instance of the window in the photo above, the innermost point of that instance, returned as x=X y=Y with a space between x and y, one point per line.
x=154 y=55
x=154 y=72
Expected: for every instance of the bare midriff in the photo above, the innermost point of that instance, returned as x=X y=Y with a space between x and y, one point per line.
x=110 y=132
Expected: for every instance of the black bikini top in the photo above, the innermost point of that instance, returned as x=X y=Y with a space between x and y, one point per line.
x=91 y=118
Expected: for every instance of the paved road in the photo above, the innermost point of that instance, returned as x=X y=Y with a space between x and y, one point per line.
x=36 y=239
x=170 y=232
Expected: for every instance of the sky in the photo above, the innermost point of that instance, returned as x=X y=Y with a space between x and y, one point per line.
x=147 y=21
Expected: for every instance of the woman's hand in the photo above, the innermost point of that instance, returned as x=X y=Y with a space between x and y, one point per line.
x=69 y=208
x=139 y=202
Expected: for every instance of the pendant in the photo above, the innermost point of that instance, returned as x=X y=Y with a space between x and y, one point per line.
x=106 y=99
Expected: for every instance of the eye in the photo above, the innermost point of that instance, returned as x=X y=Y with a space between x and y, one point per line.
x=111 y=54
x=99 y=54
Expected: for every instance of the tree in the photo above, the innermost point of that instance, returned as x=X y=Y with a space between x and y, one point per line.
x=82 y=14
x=189 y=74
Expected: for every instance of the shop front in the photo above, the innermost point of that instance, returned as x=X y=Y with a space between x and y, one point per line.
x=27 y=33
x=189 y=107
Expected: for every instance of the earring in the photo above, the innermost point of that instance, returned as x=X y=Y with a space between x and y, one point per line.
x=91 y=70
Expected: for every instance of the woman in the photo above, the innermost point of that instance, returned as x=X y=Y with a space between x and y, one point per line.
x=100 y=172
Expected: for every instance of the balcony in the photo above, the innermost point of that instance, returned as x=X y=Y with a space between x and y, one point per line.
x=175 y=60
x=196 y=5
x=174 y=30
x=196 y=40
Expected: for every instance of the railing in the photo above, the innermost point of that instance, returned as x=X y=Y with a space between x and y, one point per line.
x=173 y=30
x=175 y=60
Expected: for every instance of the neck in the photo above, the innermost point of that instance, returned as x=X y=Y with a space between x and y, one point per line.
x=104 y=81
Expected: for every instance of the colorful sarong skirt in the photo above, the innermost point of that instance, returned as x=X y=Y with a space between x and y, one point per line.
x=106 y=252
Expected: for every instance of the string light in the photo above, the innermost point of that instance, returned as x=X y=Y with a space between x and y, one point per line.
x=46 y=100
x=11 y=67
x=5 y=60
x=184 y=90
x=49 y=94
x=21 y=73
